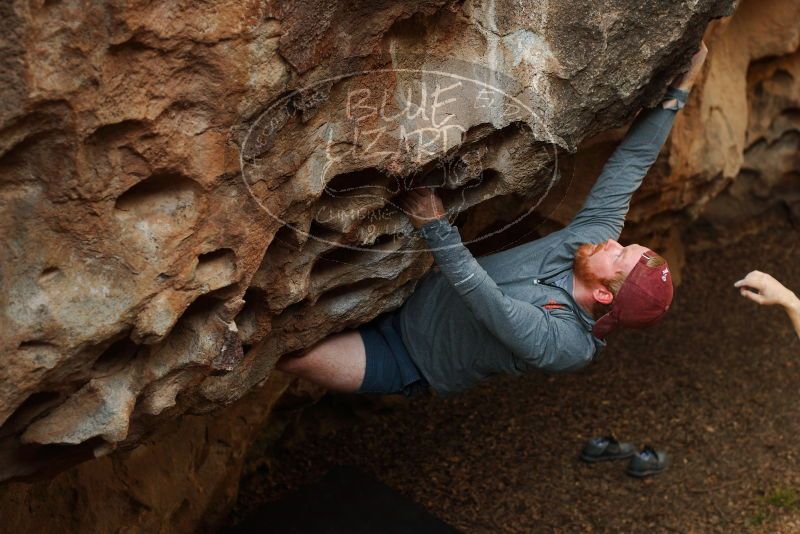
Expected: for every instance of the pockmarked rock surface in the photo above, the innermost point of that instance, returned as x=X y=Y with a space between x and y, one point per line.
x=191 y=190
x=183 y=478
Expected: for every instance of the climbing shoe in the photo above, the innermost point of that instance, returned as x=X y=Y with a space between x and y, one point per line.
x=606 y=448
x=648 y=462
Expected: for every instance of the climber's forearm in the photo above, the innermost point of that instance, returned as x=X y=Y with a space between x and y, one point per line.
x=603 y=213
x=686 y=81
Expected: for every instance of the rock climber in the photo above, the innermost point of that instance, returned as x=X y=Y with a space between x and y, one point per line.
x=548 y=304
x=765 y=290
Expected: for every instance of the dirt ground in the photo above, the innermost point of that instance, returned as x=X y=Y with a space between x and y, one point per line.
x=716 y=385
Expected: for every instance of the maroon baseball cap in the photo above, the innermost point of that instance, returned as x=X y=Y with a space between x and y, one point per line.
x=642 y=300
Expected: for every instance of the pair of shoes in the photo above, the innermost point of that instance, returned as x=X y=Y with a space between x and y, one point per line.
x=642 y=464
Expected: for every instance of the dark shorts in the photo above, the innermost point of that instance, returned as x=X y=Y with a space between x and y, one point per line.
x=389 y=367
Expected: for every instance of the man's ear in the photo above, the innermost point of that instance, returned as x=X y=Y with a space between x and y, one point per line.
x=603 y=295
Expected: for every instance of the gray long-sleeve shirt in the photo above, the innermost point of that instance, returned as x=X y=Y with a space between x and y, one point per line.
x=500 y=313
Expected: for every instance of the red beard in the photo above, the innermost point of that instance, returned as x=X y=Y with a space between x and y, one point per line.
x=580 y=265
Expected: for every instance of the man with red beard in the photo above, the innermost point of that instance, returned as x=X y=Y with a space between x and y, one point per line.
x=547 y=304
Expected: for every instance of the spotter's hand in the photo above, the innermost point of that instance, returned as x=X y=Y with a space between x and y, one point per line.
x=422 y=206
x=764 y=289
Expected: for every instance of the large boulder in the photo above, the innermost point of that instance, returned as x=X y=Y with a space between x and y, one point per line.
x=191 y=190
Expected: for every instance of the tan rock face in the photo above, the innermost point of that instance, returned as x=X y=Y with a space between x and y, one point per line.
x=769 y=173
x=189 y=191
x=741 y=121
